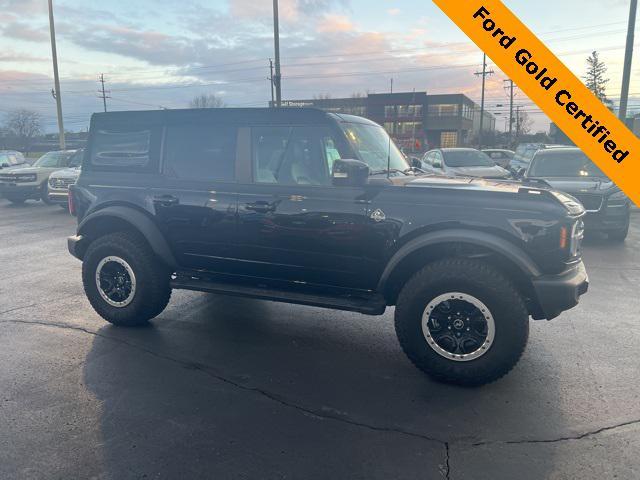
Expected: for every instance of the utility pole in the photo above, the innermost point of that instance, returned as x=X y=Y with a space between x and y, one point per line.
x=271 y=80
x=484 y=75
x=510 y=82
x=104 y=94
x=628 y=57
x=517 y=122
x=56 y=78
x=276 y=43
x=392 y=85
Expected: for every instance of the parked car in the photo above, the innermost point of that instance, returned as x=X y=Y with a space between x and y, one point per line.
x=303 y=206
x=22 y=183
x=571 y=171
x=61 y=180
x=525 y=152
x=500 y=156
x=11 y=158
x=466 y=162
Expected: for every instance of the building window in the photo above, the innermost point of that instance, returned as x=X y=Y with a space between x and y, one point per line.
x=415 y=110
x=467 y=111
x=448 y=139
x=389 y=127
x=390 y=111
x=444 y=110
x=409 y=128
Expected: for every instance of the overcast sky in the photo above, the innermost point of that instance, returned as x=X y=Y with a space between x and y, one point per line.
x=164 y=52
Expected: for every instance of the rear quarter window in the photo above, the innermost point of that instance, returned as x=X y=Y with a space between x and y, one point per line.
x=117 y=149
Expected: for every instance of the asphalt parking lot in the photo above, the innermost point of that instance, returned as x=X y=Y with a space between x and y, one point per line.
x=231 y=388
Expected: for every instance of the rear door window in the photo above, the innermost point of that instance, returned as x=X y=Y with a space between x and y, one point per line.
x=200 y=152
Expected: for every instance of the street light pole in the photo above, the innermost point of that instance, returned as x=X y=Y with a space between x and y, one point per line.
x=628 y=57
x=277 y=79
x=56 y=78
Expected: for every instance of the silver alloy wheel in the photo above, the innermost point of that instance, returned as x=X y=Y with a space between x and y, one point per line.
x=458 y=326
x=116 y=281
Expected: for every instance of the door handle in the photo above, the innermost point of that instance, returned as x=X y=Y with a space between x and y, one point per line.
x=260 y=207
x=166 y=200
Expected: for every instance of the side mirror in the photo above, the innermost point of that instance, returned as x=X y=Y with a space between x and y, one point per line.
x=353 y=173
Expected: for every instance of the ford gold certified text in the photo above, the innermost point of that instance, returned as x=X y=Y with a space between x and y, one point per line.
x=523 y=57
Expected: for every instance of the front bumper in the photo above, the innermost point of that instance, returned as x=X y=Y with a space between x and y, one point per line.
x=58 y=196
x=26 y=190
x=557 y=293
x=608 y=219
x=76 y=247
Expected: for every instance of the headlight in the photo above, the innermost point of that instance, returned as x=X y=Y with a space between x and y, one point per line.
x=577 y=235
x=30 y=177
x=572 y=204
x=618 y=198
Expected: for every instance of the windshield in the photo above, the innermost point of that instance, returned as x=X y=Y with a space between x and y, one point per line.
x=467 y=158
x=53 y=159
x=564 y=165
x=525 y=153
x=8 y=159
x=76 y=160
x=375 y=147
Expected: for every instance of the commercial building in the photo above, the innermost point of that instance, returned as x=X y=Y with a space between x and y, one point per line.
x=415 y=120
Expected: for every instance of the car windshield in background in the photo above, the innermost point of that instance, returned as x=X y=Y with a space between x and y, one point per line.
x=53 y=159
x=76 y=160
x=8 y=159
x=564 y=165
x=467 y=158
x=375 y=147
x=525 y=154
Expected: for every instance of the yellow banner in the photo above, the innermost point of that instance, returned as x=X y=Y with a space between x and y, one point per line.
x=552 y=86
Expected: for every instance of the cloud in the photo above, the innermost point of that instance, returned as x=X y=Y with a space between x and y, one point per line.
x=335 y=23
x=22 y=31
x=393 y=11
x=11 y=56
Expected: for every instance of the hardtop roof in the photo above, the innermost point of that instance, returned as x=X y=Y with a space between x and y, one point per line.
x=271 y=116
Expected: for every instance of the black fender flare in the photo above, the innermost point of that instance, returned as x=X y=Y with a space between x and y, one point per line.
x=493 y=242
x=140 y=222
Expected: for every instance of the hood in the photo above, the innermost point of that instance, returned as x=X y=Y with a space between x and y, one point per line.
x=495 y=171
x=21 y=169
x=465 y=183
x=580 y=185
x=73 y=172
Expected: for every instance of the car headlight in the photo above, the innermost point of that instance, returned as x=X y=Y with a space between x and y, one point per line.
x=31 y=177
x=577 y=234
x=572 y=204
x=618 y=198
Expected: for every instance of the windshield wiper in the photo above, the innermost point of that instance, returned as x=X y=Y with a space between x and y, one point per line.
x=386 y=171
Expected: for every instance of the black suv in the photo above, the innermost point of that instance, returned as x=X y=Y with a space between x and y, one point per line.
x=315 y=208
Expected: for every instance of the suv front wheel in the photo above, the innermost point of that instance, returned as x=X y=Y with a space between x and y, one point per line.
x=462 y=322
x=124 y=281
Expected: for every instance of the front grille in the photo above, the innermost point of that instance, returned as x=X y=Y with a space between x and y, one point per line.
x=591 y=202
x=61 y=183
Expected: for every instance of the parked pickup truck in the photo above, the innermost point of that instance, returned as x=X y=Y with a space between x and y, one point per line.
x=314 y=208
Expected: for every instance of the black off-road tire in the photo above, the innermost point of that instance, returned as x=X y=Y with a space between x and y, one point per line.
x=493 y=289
x=152 y=279
x=16 y=200
x=619 y=236
x=44 y=194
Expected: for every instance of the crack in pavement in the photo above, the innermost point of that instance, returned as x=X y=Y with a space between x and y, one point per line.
x=323 y=414
x=31 y=305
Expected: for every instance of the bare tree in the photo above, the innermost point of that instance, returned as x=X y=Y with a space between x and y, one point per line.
x=322 y=96
x=523 y=123
x=24 y=125
x=595 y=78
x=207 y=101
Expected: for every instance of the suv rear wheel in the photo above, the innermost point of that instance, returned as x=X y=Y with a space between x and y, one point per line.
x=123 y=279
x=462 y=322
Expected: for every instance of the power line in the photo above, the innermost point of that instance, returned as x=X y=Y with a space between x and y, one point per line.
x=104 y=94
